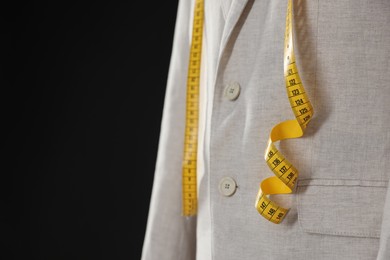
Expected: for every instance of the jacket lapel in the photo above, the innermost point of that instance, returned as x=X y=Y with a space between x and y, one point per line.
x=233 y=15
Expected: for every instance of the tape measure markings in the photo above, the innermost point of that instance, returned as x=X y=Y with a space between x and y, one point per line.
x=285 y=173
x=189 y=181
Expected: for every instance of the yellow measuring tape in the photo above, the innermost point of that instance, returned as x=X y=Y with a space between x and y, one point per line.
x=286 y=173
x=189 y=188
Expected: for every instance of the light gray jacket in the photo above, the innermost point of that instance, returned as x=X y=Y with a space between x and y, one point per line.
x=341 y=206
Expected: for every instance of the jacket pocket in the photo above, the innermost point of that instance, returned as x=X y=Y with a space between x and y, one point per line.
x=341 y=207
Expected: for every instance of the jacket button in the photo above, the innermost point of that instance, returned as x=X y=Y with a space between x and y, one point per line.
x=232 y=91
x=227 y=186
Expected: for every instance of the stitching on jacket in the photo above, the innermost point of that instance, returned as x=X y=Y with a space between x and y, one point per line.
x=343 y=182
x=344 y=233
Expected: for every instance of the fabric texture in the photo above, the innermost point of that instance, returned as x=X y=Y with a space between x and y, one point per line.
x=341 y=206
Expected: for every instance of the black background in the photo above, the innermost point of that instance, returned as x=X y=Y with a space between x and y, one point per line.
x=83 y=87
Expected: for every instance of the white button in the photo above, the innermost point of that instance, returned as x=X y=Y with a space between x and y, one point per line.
x=227 y=186
x=232 y=91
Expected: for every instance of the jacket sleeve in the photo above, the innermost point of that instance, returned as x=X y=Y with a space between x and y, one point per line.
x=384 y=248
x=169 y=235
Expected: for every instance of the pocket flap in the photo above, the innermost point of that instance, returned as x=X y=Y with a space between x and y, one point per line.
x=341 y=207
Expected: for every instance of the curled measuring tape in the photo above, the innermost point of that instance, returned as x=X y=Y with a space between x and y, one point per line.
x=189 y=188
x=285 y=173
